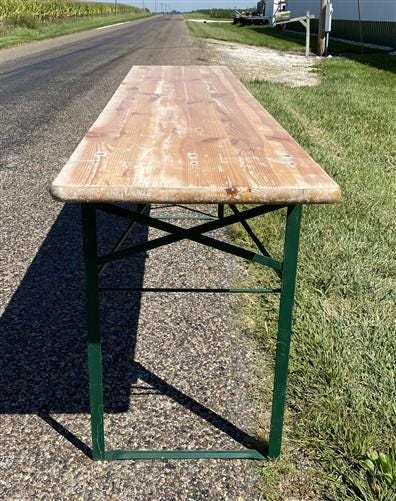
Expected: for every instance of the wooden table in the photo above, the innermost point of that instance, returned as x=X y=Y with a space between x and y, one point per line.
x=189 y=135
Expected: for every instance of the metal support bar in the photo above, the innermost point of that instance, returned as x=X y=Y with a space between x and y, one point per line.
x=181 y=234
x=186 y=289
x=292 y=235
x=186 y=454
x=185 y=218
x=193 y=234
x=253 y=236
x=123 y=238
x=185 y=207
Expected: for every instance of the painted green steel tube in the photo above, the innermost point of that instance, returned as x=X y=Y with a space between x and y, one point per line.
x=290 y=255
x=88 y=213
x=185 y=454
x=184 y=218
x=255 y=239
x=124 y=237
x=263 y=290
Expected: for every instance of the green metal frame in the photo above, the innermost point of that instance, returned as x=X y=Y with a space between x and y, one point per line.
x=285 y=270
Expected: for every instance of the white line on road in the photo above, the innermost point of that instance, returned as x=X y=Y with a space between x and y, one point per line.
x=111 y=25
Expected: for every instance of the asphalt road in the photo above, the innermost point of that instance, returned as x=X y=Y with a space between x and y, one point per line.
x=178 y=372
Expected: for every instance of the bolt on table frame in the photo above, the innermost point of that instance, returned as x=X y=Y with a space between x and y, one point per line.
x=285 y=269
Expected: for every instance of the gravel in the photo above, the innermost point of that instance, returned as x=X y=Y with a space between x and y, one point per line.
x=260 y=63
x=178 y=372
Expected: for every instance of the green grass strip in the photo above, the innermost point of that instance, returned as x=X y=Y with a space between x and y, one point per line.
x=340 y=440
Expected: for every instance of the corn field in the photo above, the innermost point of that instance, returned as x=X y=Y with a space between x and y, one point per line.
x=52 y=10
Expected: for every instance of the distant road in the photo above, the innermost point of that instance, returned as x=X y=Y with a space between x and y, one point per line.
x=50 y=94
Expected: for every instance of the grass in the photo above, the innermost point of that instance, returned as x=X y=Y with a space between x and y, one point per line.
x=266 y=36
x=18 y=35
x=214 y=14
x=198 y=15
x=340 y=440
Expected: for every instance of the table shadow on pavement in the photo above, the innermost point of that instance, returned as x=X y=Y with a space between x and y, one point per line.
x=43 y=334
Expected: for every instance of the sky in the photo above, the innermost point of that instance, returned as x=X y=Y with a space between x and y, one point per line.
x=188 y=5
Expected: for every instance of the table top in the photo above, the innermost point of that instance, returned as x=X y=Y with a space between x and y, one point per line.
x=189 y=134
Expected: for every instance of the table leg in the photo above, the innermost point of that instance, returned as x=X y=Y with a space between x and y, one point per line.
x=220 y=211
x=292 y=235
x=88 y=212
x=92 y=262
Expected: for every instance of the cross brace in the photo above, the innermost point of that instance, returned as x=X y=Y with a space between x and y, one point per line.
x=195 y=234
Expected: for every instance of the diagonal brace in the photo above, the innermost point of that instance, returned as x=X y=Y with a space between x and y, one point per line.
x=253 y=236
x=140 y=208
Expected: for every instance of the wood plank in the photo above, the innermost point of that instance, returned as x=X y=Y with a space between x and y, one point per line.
x=189 y=134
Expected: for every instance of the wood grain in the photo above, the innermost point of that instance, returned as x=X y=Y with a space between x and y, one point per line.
x=190 y=134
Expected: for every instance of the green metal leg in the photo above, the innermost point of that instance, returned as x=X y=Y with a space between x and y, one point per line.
x=93 y=265
x=292 y=235
x=94 y=341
